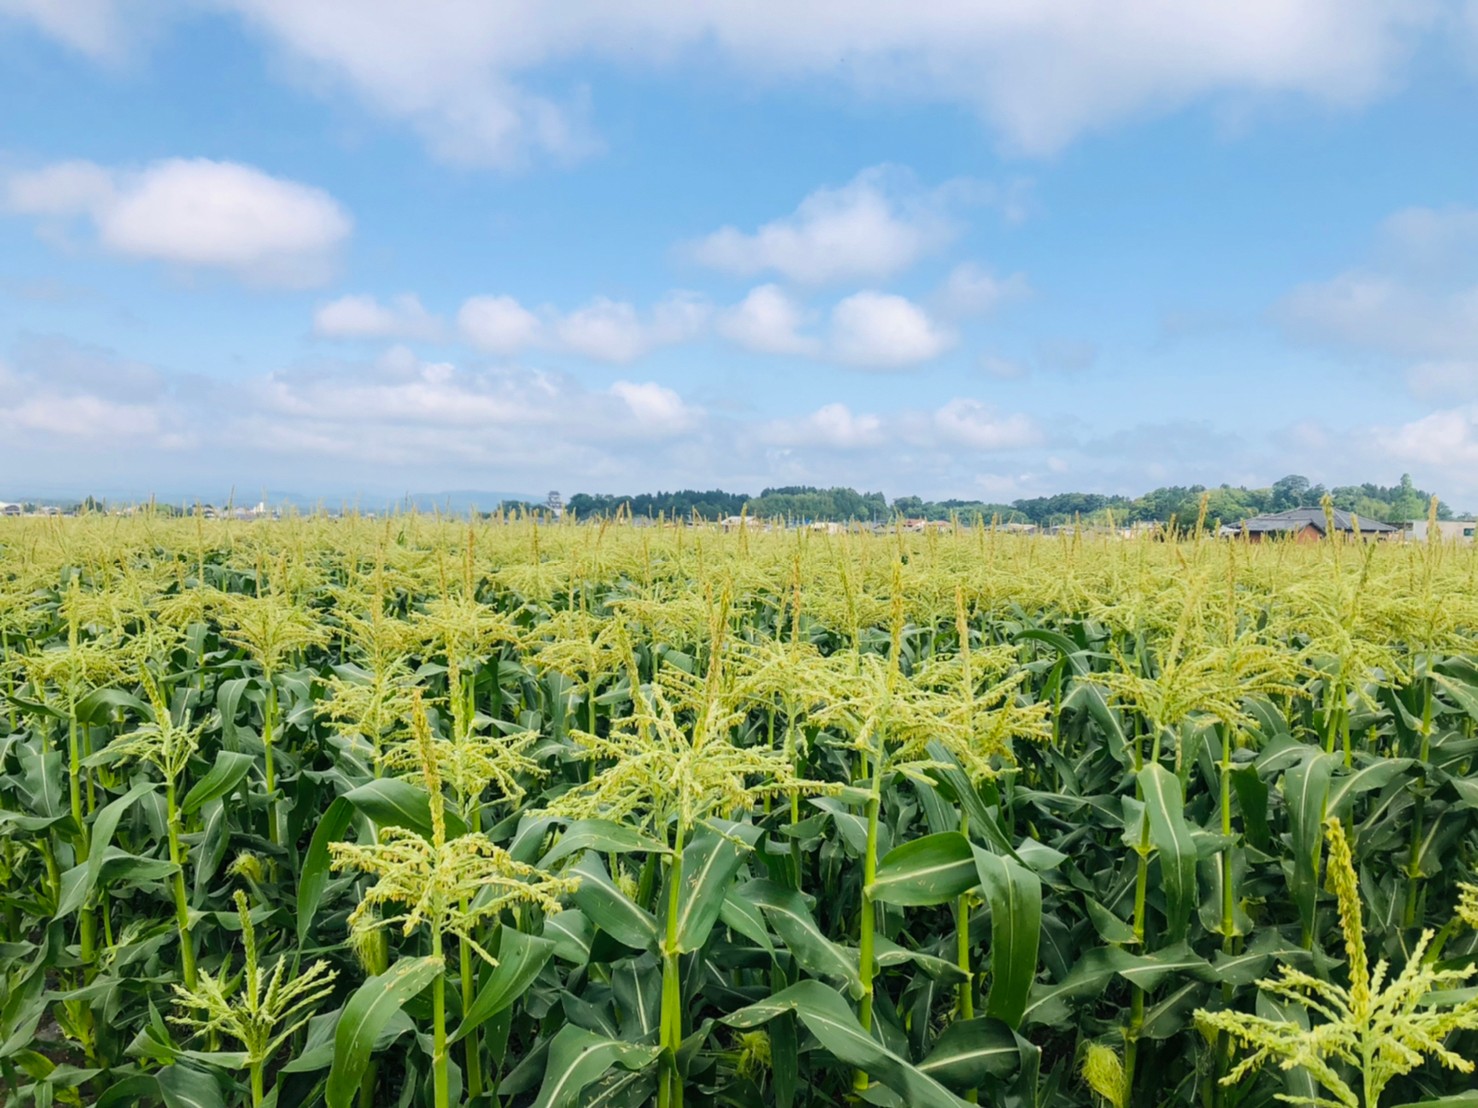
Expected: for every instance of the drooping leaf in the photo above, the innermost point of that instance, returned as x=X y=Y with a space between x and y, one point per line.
x=578 y=1057
x=602 y=901
x=1015 y=897
x=78 y=882
x=710 y=862
x=934 y=869
x=601 y=835
x=969 y=1051
x=1164 y=805
x=313 y=878
x=393 y=802
x=224 y=776
x=828 y=1016
x=792 y=920
x=365 y=1014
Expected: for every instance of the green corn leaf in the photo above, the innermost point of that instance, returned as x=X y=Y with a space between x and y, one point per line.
x=186 y=1086
x=80 y=880
x=785 y=1058
x=1306 y=793
x=1252 y=797
x=613 y=911
x=1093 y=971
x=983 y=821
x=969 y=1051
x=520 y=958
x=572 y=933
x=829 y=1017
x=392 y=802
x=745 y=918
x=934 y=869
x=365 y=1014
x=636 y=984
x=314 y=876
x=1164 y=804
x=1110 y=928
x=791 y=919
x=1377 y=773
x=98 y=706
x=888 y=953
x=41 y=781
x=601 y=835
x=224 y=776
x=1015 y=897
x=710 y=862
x=578 y=1057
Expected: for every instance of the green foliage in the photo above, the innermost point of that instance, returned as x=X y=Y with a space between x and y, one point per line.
x=506 y=813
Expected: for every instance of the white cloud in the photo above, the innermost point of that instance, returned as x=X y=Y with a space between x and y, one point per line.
x=876 y=226
x=1431 y=240
x=768 y=321
x=878 y=330
x=1443 y=379
x=1417 y=302
x=498 y=324
x=94 y=27
x=831 y=427
x=656 y=409
x=402 y=410
x=976 y=425
x=60 y=189
x=960 y=422
x=1445 y=440
x=461 y=73
x=604 y=329
x=607 y=330
x=328 y=425
x=364 y=317
x=195 y=213
x=64 y=395
x=970 y=290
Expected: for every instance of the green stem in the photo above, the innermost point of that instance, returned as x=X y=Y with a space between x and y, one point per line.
x=670 y=1087
x=962 y=942
x=257 y=1092
x=770 y=744
x=868 y=921
x=181 y=905
x=438 y=1036
x=962 y=957
x=87 y=923
x=1136 y=1001
x=469 y=989
x=1222 y=1044
x=378 y=961
x=1413 y=861
x=269 y=720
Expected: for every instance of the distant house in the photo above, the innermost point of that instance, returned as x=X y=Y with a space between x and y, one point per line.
x=1306 y=525
x=1448 y=530
x=9 y=509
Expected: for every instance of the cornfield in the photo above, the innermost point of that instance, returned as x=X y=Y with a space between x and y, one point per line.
x=413 y=811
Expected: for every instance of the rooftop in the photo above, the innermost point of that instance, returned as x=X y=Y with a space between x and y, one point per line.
x=1297 y=519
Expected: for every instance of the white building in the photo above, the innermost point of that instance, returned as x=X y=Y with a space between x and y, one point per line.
x=1449 y=530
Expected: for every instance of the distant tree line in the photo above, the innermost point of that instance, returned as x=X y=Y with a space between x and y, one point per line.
x=683 y=504
x=1225 y=503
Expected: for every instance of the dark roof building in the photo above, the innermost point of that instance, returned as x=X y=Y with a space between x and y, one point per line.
x=1306 y=525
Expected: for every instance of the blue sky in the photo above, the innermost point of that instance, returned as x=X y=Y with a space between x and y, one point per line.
x=980 y=250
